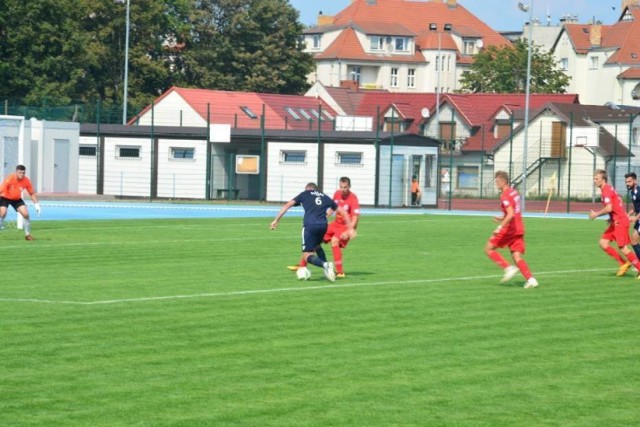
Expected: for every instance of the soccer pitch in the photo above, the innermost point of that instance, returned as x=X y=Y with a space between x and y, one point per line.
x=198 y=322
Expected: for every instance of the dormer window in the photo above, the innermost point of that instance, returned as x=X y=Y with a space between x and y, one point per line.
x=468 y=46
x=401 y=44
x=377 y=43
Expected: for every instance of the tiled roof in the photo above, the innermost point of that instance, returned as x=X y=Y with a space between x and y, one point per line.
x=432 y=41
x=224 y=107
x=347 y=46
x=623 y=37
x=417 y=15
x=630 y=74
x=408 y=106
x=384 y=29
x=479 y=110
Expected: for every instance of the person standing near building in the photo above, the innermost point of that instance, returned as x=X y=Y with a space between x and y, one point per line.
x=618 y=229
x=631 y=180
x=11 y=195
x=509 y=233
x=315 y=205
x=416 y=194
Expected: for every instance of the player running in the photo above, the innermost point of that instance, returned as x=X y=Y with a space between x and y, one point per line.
x=315 y=205
x=11 y=195
x=618 y=229
x=631 y=180
x=509 y=233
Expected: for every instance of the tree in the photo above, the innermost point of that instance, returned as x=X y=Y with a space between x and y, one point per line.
x=504 y=70
x=250 y=45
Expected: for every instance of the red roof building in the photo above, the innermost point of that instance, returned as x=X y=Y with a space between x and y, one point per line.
x=398 y=45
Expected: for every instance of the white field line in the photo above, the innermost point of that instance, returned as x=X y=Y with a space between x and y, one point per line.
x=277 y=290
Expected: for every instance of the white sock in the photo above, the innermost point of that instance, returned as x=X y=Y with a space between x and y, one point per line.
x=27 y=227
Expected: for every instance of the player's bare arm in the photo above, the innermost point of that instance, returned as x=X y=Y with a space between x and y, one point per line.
x=605 y=210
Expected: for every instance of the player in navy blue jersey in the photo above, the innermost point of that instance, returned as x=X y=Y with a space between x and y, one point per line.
x=316 y=205
x=631 y=180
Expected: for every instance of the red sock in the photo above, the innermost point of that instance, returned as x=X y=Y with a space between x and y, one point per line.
x=524 y=269
x=634 y=260
x=614 y=254
x=337 y=258
x=498 y=259
x=303 y=262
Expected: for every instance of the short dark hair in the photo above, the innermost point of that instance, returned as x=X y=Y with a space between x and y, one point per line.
x=345 y=179
x=631 y=175
x=312 y=186
x=21 y=168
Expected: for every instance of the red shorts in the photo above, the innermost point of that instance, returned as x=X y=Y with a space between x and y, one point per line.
x=515 y=242
x=618 y=233
x=336 y=230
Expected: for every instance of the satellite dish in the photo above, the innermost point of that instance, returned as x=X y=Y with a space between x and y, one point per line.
x=479 y=44
x=424 y=113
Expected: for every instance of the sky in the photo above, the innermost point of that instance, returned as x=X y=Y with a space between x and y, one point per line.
x=509 y=18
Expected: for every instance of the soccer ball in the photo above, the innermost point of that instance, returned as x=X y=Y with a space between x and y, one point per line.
x=303 y=273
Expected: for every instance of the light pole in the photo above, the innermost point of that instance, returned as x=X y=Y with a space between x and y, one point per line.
x=525 y=146
x=126 y=61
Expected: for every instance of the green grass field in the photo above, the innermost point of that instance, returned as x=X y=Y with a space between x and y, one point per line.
x=198 y=322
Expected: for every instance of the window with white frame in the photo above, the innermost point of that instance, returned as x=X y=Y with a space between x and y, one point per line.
x=377 y=43
x=355 y=73
x=88 y=150
x=128 y=152
x=315 y=41
x=411 y=77
x=564 y=64
x=401 y=44
x=394 y=77
x=304 y=114
x=182 y=153
x=293 y=157
x=469 y=47
x=437 y=62
x=248 y=112
x=595 y=62
x=349 y=158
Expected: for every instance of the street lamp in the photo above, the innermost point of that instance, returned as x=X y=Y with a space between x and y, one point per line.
x=126 y=61
x=439 y=63
x=525 y=146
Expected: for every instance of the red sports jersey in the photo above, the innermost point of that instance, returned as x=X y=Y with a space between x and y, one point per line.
x=611 y=196
x=510 y=197
x=349 y=204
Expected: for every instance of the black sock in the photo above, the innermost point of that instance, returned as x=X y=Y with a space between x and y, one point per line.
x=321 y=254
x=312 y=259
x=636 y=249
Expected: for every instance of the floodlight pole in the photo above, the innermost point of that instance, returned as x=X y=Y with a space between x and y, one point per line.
x=126 y=65
x=525 y=145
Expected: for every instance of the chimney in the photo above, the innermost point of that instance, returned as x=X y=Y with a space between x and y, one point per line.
x=324 y=20
x=595 y=35
x=454 y=3
x=349 y=84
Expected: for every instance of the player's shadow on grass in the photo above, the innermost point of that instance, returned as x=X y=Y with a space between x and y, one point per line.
x=514 y=284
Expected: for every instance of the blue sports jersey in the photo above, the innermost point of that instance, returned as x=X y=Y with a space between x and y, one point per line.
x=315 y=205
x=635 y=197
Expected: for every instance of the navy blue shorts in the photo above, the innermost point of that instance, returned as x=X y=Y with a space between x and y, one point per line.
x=312 y=236
x=5 y=203
x=636 y=226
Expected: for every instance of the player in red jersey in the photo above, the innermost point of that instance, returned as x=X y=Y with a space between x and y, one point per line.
x=337 y=231
x=11 y=195
x=509 y=233
x=618 y=229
